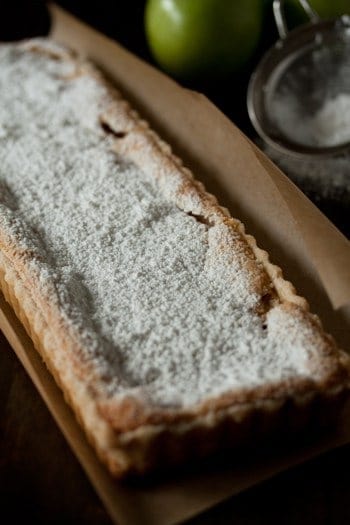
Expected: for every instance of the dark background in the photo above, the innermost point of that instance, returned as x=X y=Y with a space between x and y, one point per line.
x=41 y=482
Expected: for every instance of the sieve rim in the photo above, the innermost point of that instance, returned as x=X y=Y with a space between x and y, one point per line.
x=273 y=58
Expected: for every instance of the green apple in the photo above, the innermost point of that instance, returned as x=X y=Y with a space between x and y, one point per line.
x=202 y=38
x=295 y=14
x=327 y=8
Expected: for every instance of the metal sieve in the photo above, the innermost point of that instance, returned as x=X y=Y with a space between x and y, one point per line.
x=299 y=95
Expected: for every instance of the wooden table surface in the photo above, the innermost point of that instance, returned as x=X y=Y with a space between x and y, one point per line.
x=41 y=482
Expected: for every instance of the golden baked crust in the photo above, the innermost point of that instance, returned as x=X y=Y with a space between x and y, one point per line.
x=128 y=435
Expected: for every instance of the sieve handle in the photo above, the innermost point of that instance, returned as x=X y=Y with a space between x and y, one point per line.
x=280 y=17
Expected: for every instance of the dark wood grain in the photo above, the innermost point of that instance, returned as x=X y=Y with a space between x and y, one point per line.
x=41 y=481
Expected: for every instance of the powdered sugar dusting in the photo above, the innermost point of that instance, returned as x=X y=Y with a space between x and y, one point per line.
x=329 y=126
x=162 y=312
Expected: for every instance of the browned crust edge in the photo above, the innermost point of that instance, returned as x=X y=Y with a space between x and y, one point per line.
x=124 y=433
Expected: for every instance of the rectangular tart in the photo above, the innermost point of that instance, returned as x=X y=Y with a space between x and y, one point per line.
x=164 y=324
